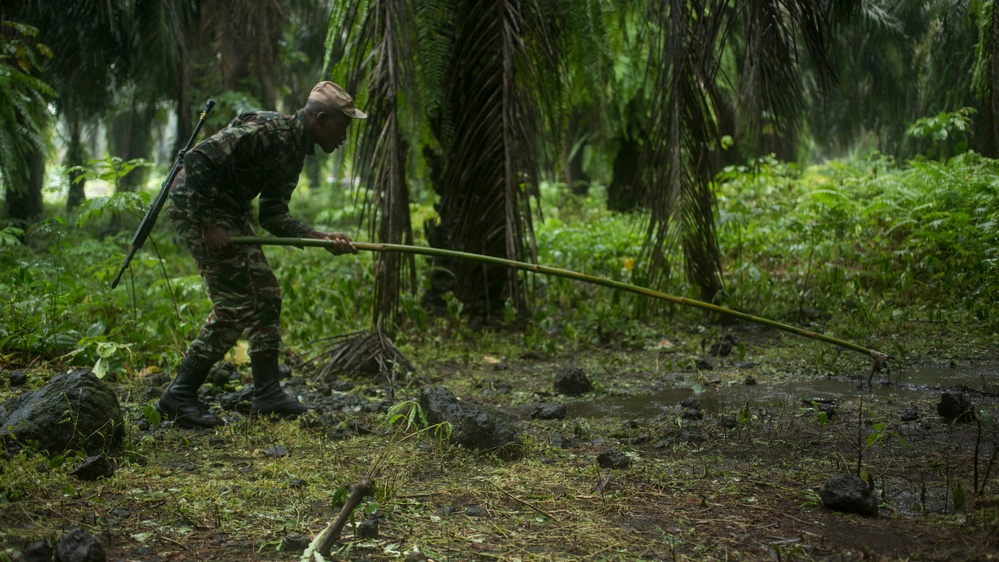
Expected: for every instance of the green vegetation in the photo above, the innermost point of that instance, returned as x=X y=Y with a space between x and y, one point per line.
x=853 y=244
x=829 y=164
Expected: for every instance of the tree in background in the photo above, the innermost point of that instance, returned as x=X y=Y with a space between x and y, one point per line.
x=689 y=43
x=23 y=119
x=478 y=101
x=899 y=62
x=985 y=78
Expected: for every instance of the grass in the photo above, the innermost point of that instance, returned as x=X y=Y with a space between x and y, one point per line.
x=741 y=493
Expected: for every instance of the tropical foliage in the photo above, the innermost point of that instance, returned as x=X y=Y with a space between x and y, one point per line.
x=474 y=106
x=23 y=115
x=884 y=242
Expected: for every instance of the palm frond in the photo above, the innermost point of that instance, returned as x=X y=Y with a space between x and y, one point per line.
x=23 y=101
x=683 y=142
x=487 y=130
x=770 y=88
x=384 y=54
x=360 y=353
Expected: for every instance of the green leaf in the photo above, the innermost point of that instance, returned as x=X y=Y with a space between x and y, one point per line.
x=958 y=497
x=152 y=415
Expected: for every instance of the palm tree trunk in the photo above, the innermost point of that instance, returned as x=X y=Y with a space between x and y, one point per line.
x=23 y=203
x=76 y=155
x=130 y=137
x=986 y=79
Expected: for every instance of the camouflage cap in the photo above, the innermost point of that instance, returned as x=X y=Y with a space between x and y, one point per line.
x=335 y=97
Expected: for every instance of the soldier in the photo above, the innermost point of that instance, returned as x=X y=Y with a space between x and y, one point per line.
x=256 y=154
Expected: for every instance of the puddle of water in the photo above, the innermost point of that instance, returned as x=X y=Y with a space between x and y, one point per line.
x=916 y=383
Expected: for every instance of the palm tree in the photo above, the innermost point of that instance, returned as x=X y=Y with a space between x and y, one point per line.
x=687 y=48
x=23 y=119
x=899 y=61
x=246 y=35
x=86 y=43
x=481 y=73
x=387 y=33
x=502 y=59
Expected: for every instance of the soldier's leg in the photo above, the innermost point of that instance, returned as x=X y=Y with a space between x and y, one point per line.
x=264 y=333
x=227 y=282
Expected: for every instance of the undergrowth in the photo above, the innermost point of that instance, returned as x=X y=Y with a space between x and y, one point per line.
x=848 y=246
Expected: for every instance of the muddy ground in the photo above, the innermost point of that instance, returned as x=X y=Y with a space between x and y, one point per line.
x=707 y=478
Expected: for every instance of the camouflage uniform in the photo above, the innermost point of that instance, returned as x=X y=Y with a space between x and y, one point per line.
x=257 y=154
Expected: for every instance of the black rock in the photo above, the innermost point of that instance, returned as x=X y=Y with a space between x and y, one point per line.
x=368 y=529
x=476 y=511
x=545 y=411
x=276 y=451
x=37 y=552
x=358 y=427
x=612 y=458
x=342 y=386
x=572 y=381
x=17 y=378
x=828 y=409
x=73 y=411
x=473 y=426
x=561 y=441
x=80 y=546
x=497 y=388
x=846 y=492
x=956 y=407
x=722 y=348
x=691 y=402
x=223 y=374
x=693 y=414
x=729 y=421
x=237 y=401
x=295 y=542
x=93 y=468
x=692 y=435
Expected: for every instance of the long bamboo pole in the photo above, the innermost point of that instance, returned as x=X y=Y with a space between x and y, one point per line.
x=875 y=355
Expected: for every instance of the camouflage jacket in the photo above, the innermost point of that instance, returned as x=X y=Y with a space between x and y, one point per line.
x=257 y=153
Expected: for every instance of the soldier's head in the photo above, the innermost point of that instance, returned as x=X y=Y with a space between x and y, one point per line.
x=328 y=113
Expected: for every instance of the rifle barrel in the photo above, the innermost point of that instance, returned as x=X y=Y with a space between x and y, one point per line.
x=149 y=220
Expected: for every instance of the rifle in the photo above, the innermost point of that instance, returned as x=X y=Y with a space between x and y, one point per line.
x=146 y=226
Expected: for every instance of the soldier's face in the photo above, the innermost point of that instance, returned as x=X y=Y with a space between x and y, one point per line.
x=331 y=130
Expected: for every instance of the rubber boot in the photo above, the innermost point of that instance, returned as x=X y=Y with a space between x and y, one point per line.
x=179 y=401
x=268 y=398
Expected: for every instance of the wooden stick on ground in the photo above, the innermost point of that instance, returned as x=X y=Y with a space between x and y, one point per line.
x=365 y=487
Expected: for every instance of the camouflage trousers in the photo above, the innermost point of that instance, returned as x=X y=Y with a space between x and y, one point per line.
x=245 y=295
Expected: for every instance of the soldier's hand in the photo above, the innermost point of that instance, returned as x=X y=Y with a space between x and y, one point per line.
x=215 y=238
x=341 y=242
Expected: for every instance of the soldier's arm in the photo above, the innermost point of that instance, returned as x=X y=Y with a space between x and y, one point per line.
x=274 y=215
